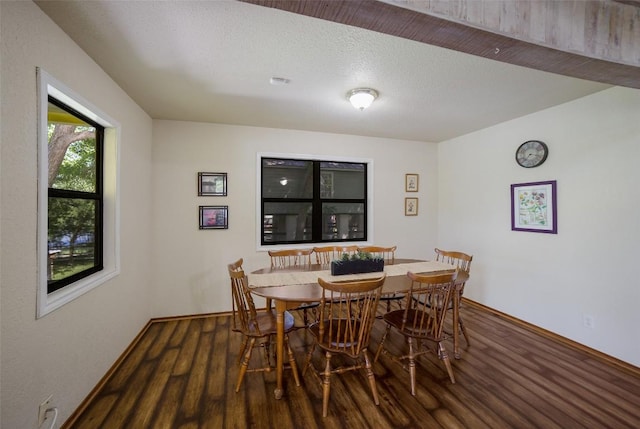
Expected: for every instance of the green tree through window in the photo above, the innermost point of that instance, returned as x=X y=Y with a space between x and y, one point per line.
x=74 y=196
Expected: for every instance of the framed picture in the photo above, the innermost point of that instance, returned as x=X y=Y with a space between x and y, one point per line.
x=411 y=182
x=214 y=217
x=534 y=208
x=212 y=184
x=410 y=206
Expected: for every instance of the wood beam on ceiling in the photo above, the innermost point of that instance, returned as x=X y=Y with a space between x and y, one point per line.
x=396 y=21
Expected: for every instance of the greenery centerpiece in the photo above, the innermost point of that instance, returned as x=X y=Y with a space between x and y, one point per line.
x=360 y=262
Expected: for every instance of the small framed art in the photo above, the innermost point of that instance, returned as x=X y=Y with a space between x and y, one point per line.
x=410 y=206
x=534 y=208
x=214 y=217
x=212 y=184
x=411 y=182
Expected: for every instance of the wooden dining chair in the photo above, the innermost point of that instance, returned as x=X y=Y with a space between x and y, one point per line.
x=388 y=254
x=286 y=258
x=255 y=326
x=347 y=313
x=421 y=321
x=463 y=263
x=326 y=254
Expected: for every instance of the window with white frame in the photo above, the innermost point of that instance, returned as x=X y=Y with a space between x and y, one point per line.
x=77 y=196
x=313 y=200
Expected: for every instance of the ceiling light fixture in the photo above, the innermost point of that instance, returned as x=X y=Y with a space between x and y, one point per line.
x=284 y=181
x=361 y=98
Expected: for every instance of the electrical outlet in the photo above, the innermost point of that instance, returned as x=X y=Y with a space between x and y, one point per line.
x=42 y=410
x=587 y=321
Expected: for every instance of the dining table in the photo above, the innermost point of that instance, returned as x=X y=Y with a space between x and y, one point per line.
x=289 y=287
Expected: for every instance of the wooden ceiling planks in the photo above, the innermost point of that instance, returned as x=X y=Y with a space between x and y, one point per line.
x=599 y=29
x=409 y=24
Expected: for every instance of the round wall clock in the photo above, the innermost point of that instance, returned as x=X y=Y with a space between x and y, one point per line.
x=531 y=153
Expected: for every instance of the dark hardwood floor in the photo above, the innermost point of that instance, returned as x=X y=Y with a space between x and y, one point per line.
x=180 y=373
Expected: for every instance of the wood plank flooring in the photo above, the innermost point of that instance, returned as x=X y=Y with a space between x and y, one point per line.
x=180 y=373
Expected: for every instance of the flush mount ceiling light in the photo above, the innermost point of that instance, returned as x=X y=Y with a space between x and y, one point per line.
x=361 y=98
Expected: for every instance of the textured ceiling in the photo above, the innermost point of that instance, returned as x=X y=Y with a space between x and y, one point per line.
x=211 y=61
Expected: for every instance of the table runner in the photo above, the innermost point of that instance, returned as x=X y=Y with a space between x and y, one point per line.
x=302 y=277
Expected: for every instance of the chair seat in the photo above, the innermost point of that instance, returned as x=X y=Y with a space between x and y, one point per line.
x=266 y=321
x=335 y=324
x=394 y=318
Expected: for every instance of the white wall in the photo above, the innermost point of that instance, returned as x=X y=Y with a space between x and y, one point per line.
x=189 y=271
x=589 y=266
x=68 y=351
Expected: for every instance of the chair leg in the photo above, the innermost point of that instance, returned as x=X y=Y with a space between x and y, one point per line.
x=371 y=377
x=243 y=349
x=412 y=365
x=326 y=385
x=384 y=337
x=292 y=362
x=267 y=350
x=245 y=364
x=306 y=366
x=464 y=331
x=447 y=363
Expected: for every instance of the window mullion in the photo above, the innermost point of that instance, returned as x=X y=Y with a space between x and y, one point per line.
x=316 y=218
x=66 y=193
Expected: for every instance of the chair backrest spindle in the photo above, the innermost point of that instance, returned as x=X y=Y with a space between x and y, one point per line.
x=290 y=258
x=326 y=254
x=461 y=260
x=386 y=253
x=427 y=304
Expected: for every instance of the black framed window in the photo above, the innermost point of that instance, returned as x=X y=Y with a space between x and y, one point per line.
x=75 y=195
x=313 y=201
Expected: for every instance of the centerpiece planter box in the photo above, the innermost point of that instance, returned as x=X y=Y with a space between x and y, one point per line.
x=340 y=268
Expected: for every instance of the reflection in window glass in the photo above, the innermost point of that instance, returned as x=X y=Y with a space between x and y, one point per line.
x=287 y=222
x=287 y=178
x=342 y=221
x=342 y=180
